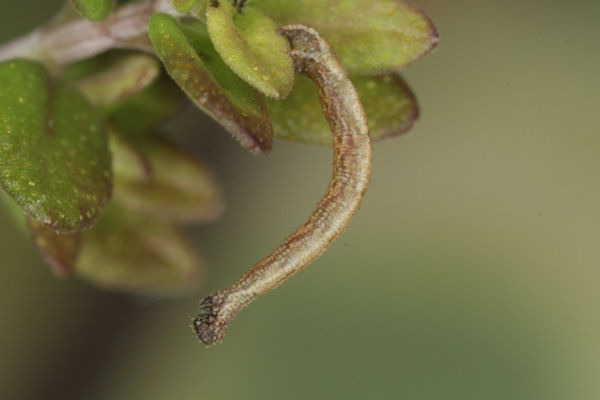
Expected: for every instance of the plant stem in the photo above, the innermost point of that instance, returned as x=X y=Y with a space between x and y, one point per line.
x=77 y=39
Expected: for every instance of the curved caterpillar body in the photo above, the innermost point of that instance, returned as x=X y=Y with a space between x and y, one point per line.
x=351 y=176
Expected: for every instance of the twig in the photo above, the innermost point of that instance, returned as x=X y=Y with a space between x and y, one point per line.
x=78 y=39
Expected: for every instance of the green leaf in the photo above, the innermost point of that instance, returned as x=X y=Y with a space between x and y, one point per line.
x=124 y=251
x=148 y=108
x=157 y=178
x=193 y=63
x=129 y=163
x=94 y=10
x=135 y=252
x=390 y=106
x=368 y=36
x=121 y=77
x=54 y=158
x=58 y=250
x=184 y=6
x=250 y=45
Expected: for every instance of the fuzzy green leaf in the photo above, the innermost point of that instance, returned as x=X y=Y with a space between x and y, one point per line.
x=155 y=177
x=192 y=62
x=250 y=45
x=369 y=36
x=54 y=158
x=94 y=10
x=135 y=252
x=390 y=106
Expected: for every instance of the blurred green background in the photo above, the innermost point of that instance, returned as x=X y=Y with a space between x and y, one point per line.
x=471 y=271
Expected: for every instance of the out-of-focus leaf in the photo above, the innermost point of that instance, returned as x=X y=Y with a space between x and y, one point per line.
x=94 y=10
x=369 y=36
x=184 y=6
x=54 y=158
x=129 y=164
x=120 y=79
x=59 y=250
x=135 y=252
x=159 y=179
x=147 y=108
x=250 y=45
x=390 y=106
x=193 y=63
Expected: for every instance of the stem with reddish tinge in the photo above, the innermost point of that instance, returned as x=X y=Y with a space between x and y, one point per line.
x=78 y=39
x=351 y=175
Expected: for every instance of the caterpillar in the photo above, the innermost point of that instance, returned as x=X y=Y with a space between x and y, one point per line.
x=351 y=177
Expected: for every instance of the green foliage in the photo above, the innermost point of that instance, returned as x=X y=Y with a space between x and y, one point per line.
x=59 y=165
x=250 y=45
x=193 y=63
x=124 y=251
x=148 y=108
x=390 y=106
x=157 y=178
x=137 y=252
x=54 y=158
x=122 y=76
x=137 y=244
x=94 y=10
x=369 y=36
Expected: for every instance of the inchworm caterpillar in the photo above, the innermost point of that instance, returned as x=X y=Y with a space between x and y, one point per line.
x=351 y=175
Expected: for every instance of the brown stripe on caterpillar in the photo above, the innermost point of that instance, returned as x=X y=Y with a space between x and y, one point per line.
x=351 y=176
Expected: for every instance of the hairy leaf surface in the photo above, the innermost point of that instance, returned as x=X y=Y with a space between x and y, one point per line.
x=54 y=158
x=250 y=45
x=369 y=36
x=390 y=106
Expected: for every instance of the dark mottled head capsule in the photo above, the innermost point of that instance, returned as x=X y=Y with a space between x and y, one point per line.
x=204 y=323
